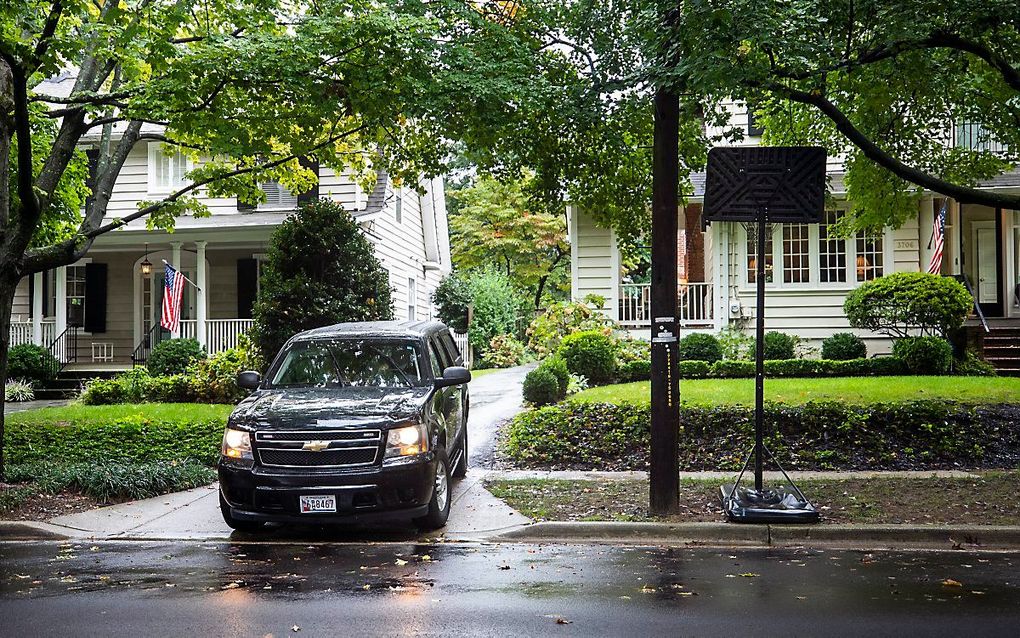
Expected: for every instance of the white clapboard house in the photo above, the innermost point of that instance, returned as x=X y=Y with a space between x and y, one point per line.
x=810 y=272
x=103 y=312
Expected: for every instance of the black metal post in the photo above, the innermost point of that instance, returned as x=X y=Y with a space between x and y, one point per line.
x=759 y=352
x=664 y=470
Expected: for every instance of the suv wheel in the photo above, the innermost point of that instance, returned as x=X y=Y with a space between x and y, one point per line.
x=439 y=505
x=460 y=470
x=239 y=525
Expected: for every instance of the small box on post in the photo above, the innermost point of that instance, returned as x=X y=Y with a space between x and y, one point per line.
x=759 y=186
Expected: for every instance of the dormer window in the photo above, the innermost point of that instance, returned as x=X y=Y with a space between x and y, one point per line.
x=277 y=197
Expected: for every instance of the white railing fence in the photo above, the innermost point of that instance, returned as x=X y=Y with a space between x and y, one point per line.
x=223 y=334
x=694 y=303
x=461 y=339
x=21 y=332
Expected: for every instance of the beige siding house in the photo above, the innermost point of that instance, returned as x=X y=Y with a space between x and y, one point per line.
x=110 y=300
x=810 y=272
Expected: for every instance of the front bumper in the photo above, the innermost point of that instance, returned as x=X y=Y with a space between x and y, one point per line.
x=364 y=495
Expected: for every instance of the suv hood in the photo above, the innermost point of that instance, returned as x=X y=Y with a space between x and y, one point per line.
x=328 y=407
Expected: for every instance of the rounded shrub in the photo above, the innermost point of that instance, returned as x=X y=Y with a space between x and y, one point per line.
x=844 y=346
x=31 y=363
x=924 y=355
x=558 y=367
x=899 y=303
x=590 y=354
x=541 y=387
x=779 y=346
x=173 y=356
x=698 y=346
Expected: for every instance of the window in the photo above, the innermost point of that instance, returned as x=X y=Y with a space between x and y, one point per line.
x=437 y=362
x=796 y=254
x=277 y=197
x=166 y=172
x=399 y=205
x=831 y=252
x=372 y=363
x=412 y=298
x=76 y=295
x=870 y=256
x=754 y=128
x=752 y=262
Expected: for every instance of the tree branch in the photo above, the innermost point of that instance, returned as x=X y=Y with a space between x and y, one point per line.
x=52 y=20
x=892 y=164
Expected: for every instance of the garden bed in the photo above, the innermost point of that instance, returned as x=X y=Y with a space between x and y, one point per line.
x=931 y=434
x=67 y=459
x=947 y=501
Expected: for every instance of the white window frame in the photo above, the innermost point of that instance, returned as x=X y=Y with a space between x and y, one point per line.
x=156 y=157
x=412 y=298
x=815 y=283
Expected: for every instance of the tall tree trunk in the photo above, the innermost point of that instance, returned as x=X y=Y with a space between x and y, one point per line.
x=8 y=285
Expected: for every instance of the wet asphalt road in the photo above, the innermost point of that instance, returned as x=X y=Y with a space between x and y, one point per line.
x=336 y=589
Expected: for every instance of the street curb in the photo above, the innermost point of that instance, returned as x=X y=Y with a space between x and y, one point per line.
x=29 y=531
x=721 y=534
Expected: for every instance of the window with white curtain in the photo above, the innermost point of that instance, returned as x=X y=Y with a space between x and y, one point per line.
x=166 y=172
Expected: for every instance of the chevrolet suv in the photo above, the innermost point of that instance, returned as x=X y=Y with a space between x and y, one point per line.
x=352 y=423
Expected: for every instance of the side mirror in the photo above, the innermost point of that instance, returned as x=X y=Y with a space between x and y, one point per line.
x=249 y=380
x=454 y=375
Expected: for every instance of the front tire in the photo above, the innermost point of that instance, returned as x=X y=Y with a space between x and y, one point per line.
x=439 y=504
x=237 y=524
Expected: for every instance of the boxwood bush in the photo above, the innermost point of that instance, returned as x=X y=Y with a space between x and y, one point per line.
x=32 y=363
x=541 y=387
x=779 y=345
x=699 y=346
x=173 y=356
x=824 y=435
x=844 y=346
x=590 y=354
x=925 y=355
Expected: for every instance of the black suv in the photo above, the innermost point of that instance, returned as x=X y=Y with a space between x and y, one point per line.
x=353 y=422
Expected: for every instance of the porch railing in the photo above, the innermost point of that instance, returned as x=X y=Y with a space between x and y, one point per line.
x=21 y=332
x=694 y=304
x=220 y=335
x=64 y=349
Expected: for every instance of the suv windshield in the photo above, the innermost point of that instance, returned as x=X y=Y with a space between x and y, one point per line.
x=349 y=362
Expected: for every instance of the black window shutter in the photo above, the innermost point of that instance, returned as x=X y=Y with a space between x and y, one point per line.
x=45 y=292
x=95 y=298
x=247 y=286
x=243 y=206
x=93 y=162
x=754 y=128
x=312 y=194
x=31 y=296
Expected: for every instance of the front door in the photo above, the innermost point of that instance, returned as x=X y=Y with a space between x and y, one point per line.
x=988 y=288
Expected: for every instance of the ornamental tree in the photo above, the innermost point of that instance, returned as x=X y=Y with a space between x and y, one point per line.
x=334 y=278
x=906 y=303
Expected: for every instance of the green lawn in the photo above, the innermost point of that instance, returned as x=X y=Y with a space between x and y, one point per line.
x=74 y=413
x=845 y=389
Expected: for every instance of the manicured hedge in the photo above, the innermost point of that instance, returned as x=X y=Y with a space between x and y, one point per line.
x=742 y=369
x=133 y=438
x=824 y=435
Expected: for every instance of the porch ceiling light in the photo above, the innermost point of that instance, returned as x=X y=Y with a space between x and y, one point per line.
x=146 y=264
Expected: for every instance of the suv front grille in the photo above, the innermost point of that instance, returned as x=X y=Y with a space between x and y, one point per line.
x=333 y=449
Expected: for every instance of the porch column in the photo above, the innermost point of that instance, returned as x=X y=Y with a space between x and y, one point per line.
x=61 y=300
x=721 y=272
x=37 y=309
x=176 y=257
x=200 y=298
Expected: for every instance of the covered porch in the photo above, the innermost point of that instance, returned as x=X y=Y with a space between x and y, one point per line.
x=103 y=313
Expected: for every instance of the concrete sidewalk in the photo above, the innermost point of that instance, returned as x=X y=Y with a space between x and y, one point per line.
x=807 y=475
x=195 y=515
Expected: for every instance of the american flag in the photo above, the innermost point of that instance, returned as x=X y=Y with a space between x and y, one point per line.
x=173 y=288
x=938 y=240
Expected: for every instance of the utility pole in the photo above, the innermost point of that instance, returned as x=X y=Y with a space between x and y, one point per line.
x=664 y=474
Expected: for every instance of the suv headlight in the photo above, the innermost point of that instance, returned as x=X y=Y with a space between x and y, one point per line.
x=407 y=441
x=236 y=445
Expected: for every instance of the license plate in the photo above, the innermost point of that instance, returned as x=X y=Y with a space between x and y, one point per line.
x=312 y=504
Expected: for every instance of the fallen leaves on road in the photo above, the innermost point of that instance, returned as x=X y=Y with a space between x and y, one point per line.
x=949 y=582
x=295 y=629
x=750 y=575
x=401 y=562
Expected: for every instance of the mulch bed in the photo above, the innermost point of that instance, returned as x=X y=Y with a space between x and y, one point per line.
x=39 y=506
x=959 y=501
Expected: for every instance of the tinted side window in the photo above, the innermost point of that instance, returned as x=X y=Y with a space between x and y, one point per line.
x=451 y=348
x=439 y=359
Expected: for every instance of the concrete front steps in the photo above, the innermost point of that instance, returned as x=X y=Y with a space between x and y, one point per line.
x=69 y=383
x=1002 y=349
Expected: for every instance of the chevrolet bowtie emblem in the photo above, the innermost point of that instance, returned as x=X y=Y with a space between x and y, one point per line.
x=315 y=446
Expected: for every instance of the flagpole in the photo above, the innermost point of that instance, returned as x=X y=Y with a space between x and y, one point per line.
x=182 y=274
